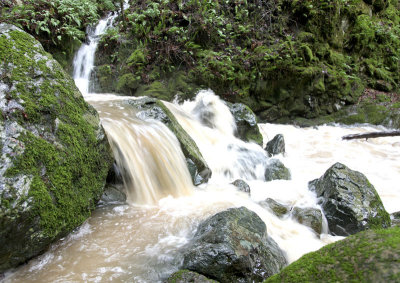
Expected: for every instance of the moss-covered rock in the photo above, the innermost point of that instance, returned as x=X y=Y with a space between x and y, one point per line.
x=151 y=108
x=275 y=207
x=276 y=170
x=184 y=276
x=369 y=256
x=310 y=217
x=246 y=123
x=349 y=201
x=233 y=246
x=54 y=153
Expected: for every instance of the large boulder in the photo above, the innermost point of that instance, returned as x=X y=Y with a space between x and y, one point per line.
x=276 y=170
x=151 y=108
x=233 y=246
x=246 y=123
x=369 y=256
x=54 y=153
x=350 y=202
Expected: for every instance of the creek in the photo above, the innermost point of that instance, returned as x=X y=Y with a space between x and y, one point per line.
x=142 y=240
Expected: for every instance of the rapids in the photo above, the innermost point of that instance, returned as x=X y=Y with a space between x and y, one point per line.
x=143 y=242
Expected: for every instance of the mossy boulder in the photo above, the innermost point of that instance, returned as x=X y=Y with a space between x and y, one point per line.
x=369 y=256
x=246 y=123
x=184 y=276
x=233 y=246
x=275 y=207
x=54 y=153
x=309 y=216
x=349 y=201
x=276 y=170
x=151 y=108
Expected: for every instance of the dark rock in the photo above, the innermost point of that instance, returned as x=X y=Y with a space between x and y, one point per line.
x=54 y=153
x=114 y=194
x=276 y=145
x=369 y=256
x=395 y=217
x=246 y=123
x=151 y=108
x=276 y=171
x=310 y=217
x=233 y=246
x=184 y=276
x=277 y=208
x=242 y=186
x=349 y=201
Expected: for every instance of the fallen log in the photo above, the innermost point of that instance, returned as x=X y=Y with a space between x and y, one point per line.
x=371 y=135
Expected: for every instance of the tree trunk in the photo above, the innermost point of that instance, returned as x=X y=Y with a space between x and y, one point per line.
x=371 y=135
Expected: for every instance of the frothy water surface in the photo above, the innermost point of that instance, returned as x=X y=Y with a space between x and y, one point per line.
x=143 y=243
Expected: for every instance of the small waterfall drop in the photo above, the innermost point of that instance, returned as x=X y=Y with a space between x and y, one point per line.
x=84 y=58
x=147 y=153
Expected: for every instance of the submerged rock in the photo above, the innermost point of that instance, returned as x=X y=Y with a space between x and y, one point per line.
x=242 y=186
x=54 y=153
x=350 y=202
x=233 y=246
x=276 y=145
x=246 y=123
x=277 y=208
x=276 y=170
x=310 y=217
x=369 y=256
x=184 y=276
x=151 y=108
x=113 y=194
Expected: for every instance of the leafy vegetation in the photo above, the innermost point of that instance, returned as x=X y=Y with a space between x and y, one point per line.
x=58 y=24
x=283 y=58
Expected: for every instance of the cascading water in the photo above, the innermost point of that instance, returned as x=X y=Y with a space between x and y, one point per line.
x=84 y=58
x=141 y=241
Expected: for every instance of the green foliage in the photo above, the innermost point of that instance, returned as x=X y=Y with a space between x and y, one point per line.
x=57 y=24
x=305 y=56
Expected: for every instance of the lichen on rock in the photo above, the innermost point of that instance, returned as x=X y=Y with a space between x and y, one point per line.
x=54 y=154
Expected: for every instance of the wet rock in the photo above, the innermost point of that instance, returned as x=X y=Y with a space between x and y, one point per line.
x=276 y=170
x=233 y=246
x=113 y=194
x=151 y=108
x=184 y=276
x=246 y=123
x=54 y=153
x=349 y=201
x=277 y=208
x=368 y=256
x=242 y=186
x=310 y=217
x=395 y=217
x=276 y=145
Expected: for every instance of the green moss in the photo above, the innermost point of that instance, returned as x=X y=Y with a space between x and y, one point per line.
x=68 y=170
x=370 y=256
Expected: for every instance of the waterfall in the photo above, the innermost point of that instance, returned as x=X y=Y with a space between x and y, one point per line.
x=84 y=59
x=147 y=153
